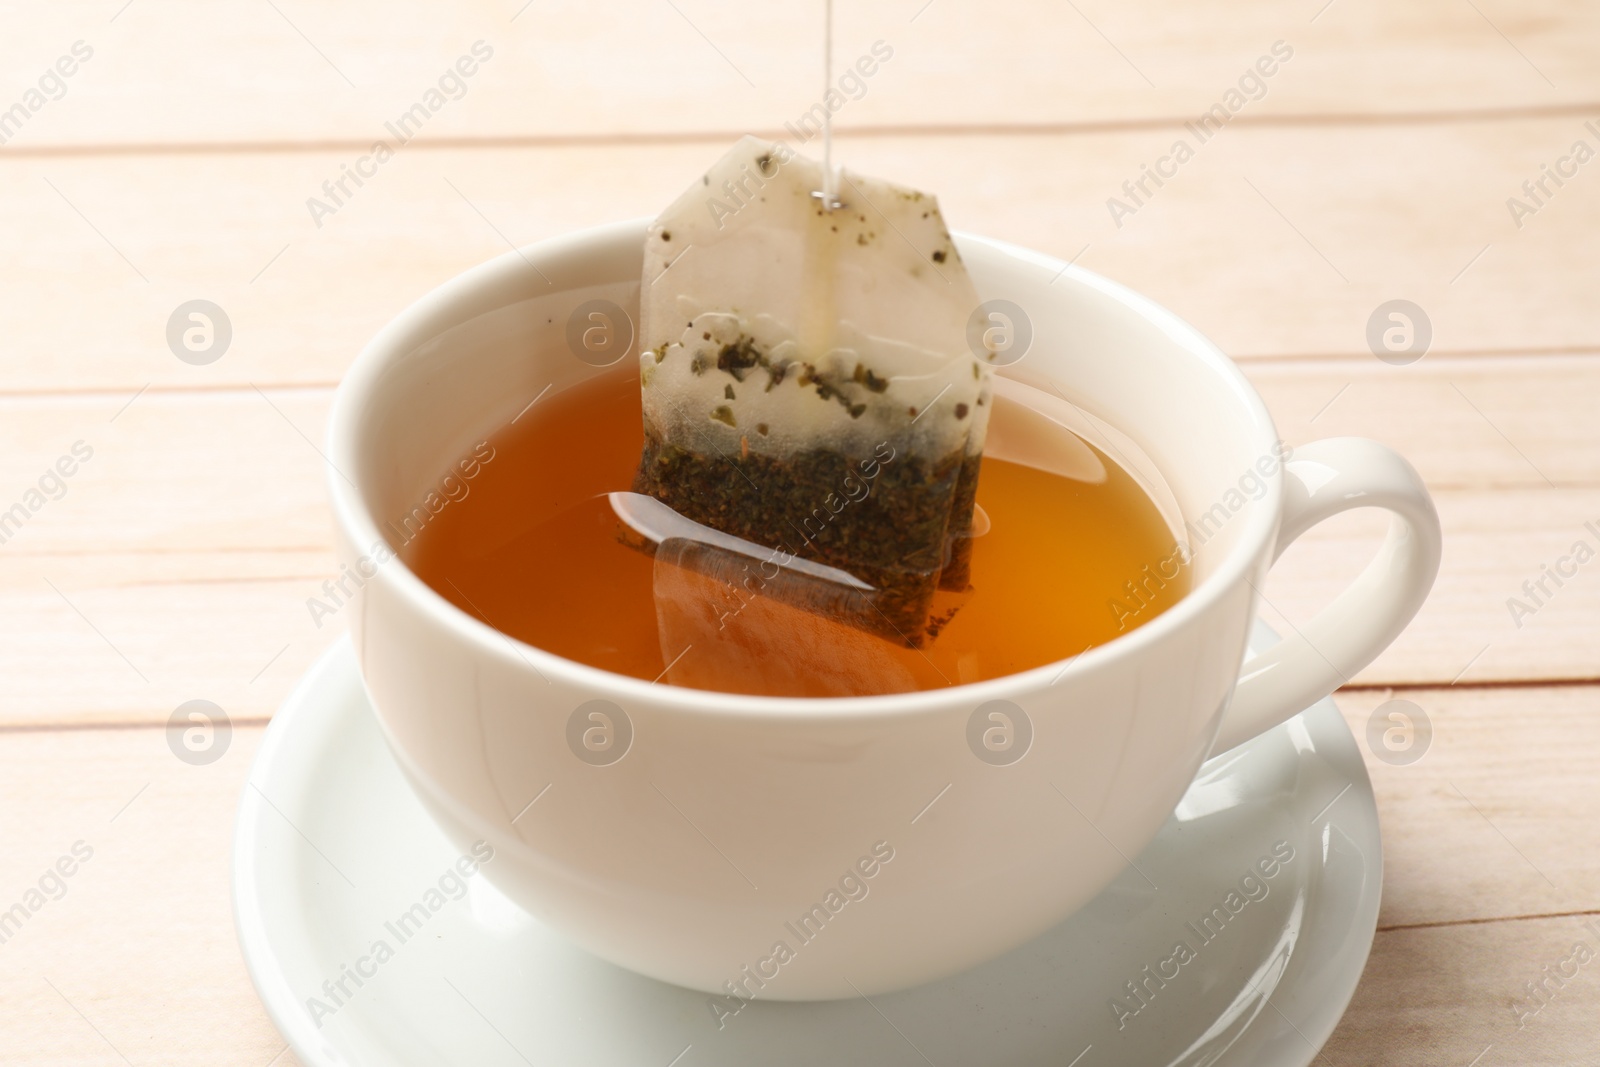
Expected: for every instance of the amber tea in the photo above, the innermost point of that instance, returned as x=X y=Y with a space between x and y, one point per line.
x=546 y=547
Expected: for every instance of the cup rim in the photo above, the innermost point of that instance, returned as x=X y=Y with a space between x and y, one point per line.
x=403 y=335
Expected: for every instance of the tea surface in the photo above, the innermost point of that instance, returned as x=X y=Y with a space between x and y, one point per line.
x=532 y=549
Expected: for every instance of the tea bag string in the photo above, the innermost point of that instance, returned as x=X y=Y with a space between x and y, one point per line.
x=829 y=193
x=830 y=183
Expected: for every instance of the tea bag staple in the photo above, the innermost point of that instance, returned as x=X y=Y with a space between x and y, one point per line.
x=806 y=377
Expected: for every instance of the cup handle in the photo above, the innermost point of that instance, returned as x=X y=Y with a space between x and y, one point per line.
x=1321 y=480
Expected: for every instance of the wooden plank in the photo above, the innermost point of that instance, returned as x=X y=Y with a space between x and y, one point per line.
x=128 y=637
x=175 y=564
x=141 y=946
x=1493 y=820
x=1488 y=435
x=197 y=73
x=1457 y=995
x=168 y=472
x=1465 y=423
x=1495 y=540
x=1273 y=241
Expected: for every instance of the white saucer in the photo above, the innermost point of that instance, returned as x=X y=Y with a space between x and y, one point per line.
x=330 y=845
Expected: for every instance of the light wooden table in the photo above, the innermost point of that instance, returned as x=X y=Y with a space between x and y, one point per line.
x=176 y=563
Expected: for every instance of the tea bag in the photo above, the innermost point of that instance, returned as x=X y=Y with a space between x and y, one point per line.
x=806 y=378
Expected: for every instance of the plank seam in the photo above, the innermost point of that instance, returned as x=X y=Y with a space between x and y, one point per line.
x=1485 y=921
x=1310 y=119
x=130 y=724
x=1578 y=682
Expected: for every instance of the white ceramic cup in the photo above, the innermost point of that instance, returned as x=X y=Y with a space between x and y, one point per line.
x=795 y=849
